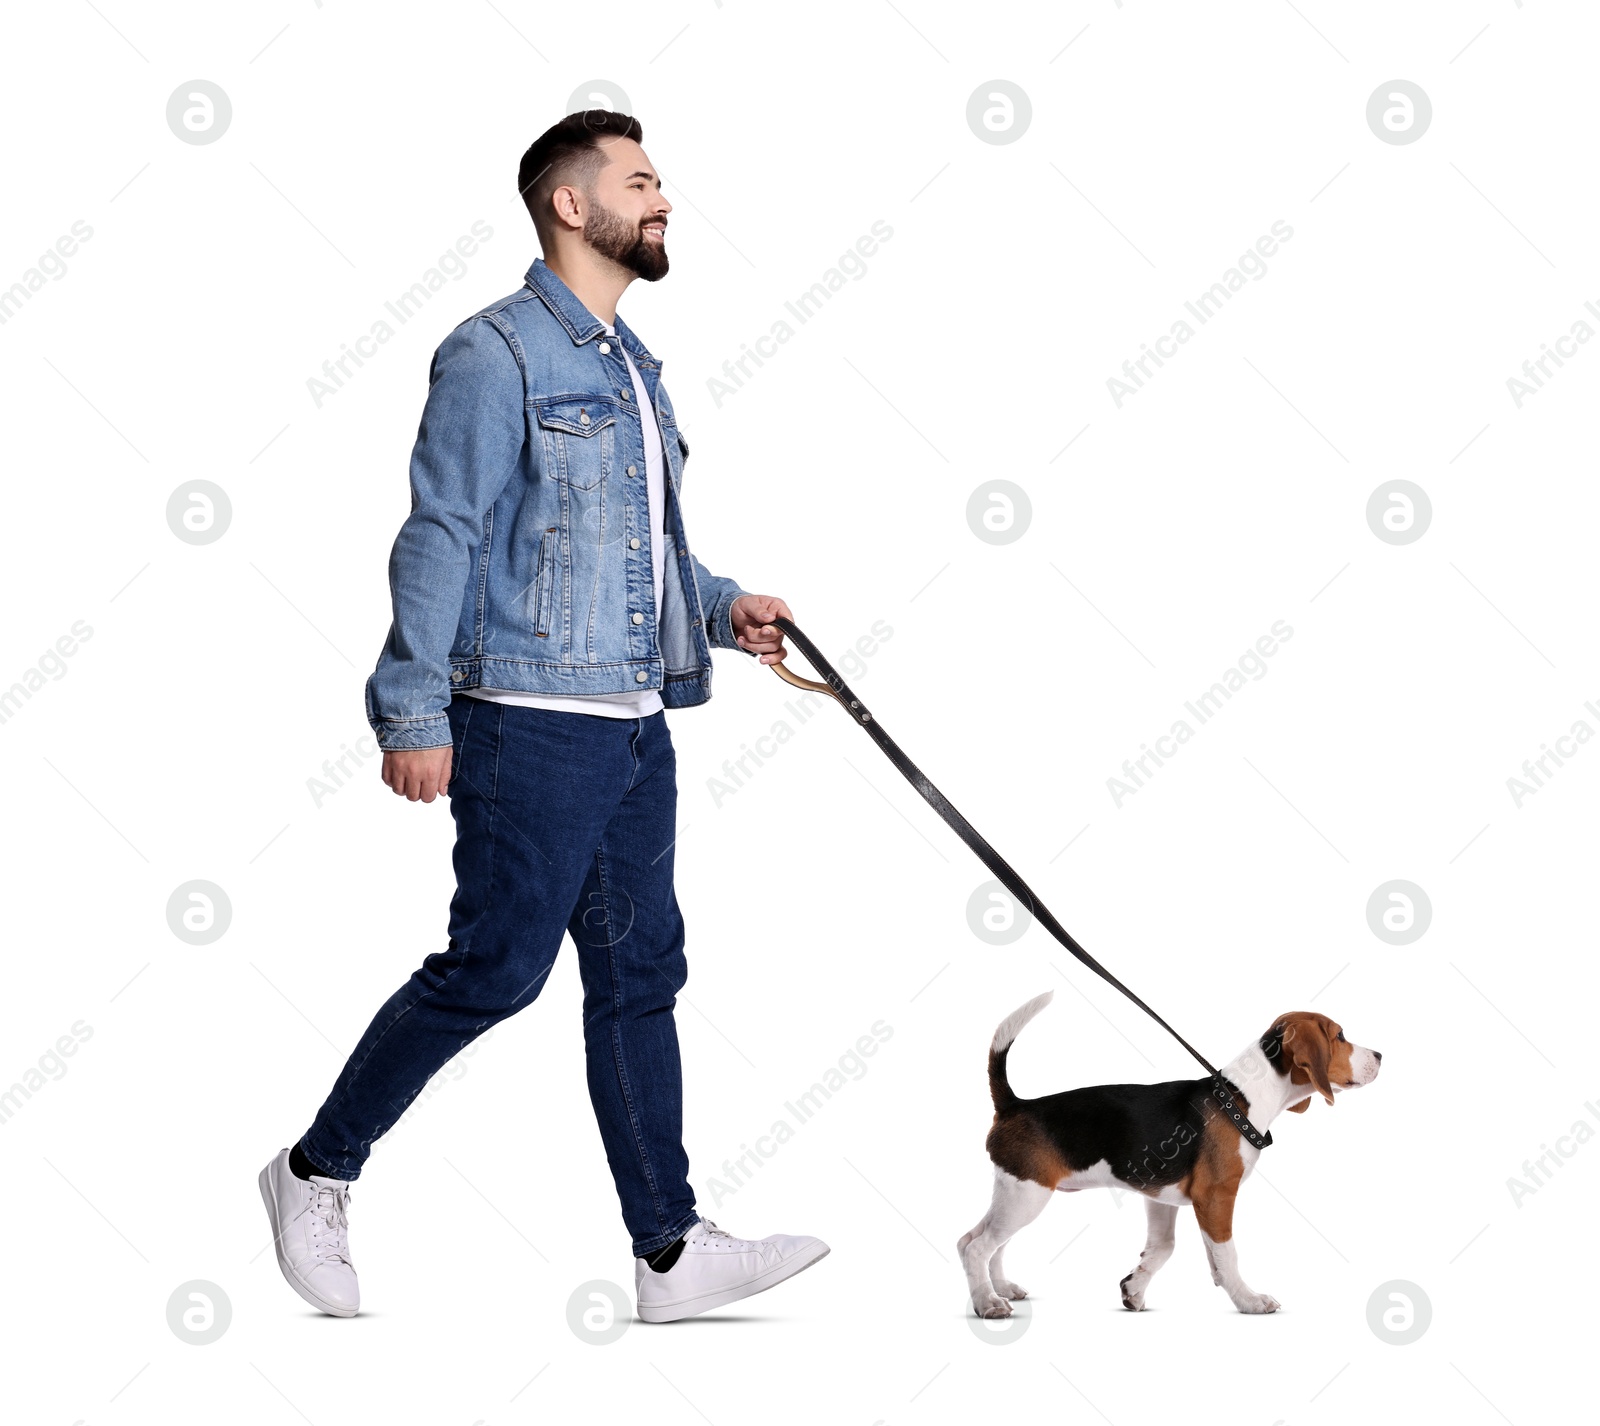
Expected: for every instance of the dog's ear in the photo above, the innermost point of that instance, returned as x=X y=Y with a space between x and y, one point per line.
x=1305 y=1043
x=1301 y=1107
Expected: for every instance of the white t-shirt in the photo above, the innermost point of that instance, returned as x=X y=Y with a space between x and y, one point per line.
x=646 y=701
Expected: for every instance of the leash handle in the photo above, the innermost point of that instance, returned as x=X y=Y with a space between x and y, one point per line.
x=837 y=689
x=795 y=678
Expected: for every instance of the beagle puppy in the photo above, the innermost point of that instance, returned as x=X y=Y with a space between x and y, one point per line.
x=1169 y=1142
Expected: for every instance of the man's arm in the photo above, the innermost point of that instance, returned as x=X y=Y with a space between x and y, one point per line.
x=717 y=596
x=736 y=619
x=467 y=446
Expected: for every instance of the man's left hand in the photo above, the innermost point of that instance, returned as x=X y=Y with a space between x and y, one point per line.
x=749 y=616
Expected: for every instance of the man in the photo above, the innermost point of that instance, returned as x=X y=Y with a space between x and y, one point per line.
x=546 y=610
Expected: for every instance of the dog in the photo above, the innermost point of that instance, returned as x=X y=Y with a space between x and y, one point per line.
x=1170 y=1142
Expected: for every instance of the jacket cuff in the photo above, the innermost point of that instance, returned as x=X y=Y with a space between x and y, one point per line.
x=719 y=622
x=398 y=734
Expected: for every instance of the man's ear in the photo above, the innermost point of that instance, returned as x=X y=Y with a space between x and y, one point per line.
x=1307 y=1048
x=1301 y=1107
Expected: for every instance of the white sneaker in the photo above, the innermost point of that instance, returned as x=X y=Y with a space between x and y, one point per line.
x=715 y=1268
x=309 y=1225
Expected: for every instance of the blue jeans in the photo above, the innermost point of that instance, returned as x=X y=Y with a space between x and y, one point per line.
x=565 y=822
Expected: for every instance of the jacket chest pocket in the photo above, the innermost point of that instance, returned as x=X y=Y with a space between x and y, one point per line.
x=580 y=441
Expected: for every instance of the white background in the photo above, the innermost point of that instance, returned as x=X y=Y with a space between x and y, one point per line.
x=1166 y=537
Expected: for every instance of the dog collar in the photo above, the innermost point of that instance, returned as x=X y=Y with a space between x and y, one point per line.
x=1223 y=1092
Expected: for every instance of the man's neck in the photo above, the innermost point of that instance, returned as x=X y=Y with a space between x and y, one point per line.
x=595 y=281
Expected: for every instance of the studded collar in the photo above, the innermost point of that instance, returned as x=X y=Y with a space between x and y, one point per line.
x=1224 y=1090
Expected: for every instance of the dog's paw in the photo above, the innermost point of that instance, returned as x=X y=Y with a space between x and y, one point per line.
x=1259 y=1302
x=992 y=1306
x=1132 y=1297
x=1011 y=1290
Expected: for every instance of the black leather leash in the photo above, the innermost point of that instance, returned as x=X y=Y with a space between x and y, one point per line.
x=837 y=689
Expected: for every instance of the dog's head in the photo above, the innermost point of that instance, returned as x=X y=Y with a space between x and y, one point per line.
x=1312 y=1050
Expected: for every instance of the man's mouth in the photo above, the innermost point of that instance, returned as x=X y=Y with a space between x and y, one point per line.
x=658 y=231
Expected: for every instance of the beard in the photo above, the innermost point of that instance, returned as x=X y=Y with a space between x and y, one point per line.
x=613 y=236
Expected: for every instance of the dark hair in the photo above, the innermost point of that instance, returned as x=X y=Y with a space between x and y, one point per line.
x=570 y=152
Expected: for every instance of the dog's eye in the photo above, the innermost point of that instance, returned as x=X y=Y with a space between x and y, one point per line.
x=1341 y=1036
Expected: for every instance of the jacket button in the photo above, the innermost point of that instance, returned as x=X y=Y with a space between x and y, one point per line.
x=640 y=676
x=633 y=470
x=604 y=348
x=456 y=675
x=583 y=418
x=638 y=618
x=633 y=544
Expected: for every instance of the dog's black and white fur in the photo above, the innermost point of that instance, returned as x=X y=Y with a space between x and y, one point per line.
x=1167 y=1141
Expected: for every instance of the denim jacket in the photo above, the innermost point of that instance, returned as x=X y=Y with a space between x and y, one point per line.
x=525 y=562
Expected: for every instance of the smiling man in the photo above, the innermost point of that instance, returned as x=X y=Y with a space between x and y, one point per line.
x=547 y=609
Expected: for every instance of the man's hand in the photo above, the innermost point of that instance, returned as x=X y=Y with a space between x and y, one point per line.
x=418 y=773
x=749 y=616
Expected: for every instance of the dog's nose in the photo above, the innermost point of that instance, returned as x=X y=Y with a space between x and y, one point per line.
x=1378 y=1056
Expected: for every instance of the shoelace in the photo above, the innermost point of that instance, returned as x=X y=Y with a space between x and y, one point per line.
x=712 y=1229
x=328 y=1208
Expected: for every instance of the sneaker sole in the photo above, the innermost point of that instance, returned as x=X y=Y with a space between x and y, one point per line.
x=274 y=1217
x=692 y=1306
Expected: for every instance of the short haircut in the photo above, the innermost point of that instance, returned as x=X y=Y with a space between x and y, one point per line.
x=570 y=152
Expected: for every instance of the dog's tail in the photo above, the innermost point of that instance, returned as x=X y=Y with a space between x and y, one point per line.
x=1000 y=1047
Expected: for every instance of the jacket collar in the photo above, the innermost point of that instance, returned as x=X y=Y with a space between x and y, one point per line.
x=581 y=324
